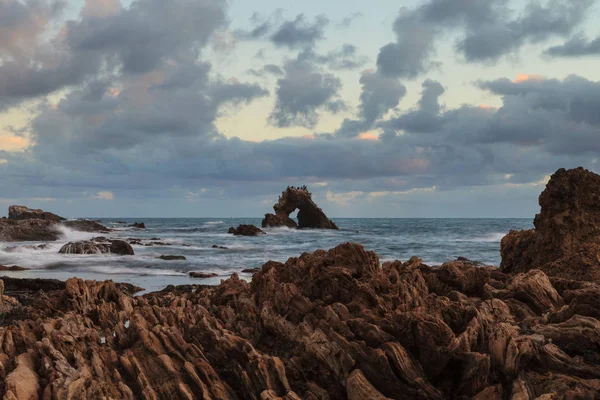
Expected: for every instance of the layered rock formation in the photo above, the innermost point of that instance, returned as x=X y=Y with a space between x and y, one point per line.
x=327 y=325
x=309 y=214
x=566 y=239
x=96 y=246
x=246 y=230
x=14 y=230
x=22 y=212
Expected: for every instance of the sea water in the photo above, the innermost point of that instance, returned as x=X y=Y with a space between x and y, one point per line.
x=434 y=240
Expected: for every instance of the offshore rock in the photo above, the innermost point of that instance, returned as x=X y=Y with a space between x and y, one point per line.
x=566 y=240
x=330 y=324
x=22 y=212
x=309 y=214
x=36 y=230
x=84 y=225
x=138 y=225
x=246 y=230
x=105 y=246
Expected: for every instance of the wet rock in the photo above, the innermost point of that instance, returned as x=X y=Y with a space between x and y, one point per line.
x=42 y=246
x=214 y=246
x=566 y=240
x=309 y=214
x=246 y=230
x=28 y=230
x=274 y=221
x=172 y=258
x=84 y=225
x=251 y=270
x=22 y=212
x=12 y=268
x=118 y=247
x=138 y=225
x=202 y=275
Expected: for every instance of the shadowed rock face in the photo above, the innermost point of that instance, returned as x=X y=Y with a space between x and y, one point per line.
x=21 y=212
x=326 y=325
x=118 y=247
x=85 y=225
x=13 y=230
x=566 y=238
x=309 y=214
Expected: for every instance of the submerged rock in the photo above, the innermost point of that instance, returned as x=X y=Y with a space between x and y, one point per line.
x=246 y=230
x=22 y=212
x=172 y=258
x=118 y=247
x=214 y=246
x=309 y=214
x=566 y=239
x=202 y=275
x=138 y=225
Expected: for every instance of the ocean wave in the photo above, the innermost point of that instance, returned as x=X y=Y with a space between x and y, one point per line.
x=494 y=237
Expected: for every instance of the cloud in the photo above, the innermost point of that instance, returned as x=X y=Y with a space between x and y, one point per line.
x=486 y=31
x=346 y=57
x=302 y=93
x=268 y=69
x=576 y=47
x=347 y=21
x=300 y=32
x=104 y=195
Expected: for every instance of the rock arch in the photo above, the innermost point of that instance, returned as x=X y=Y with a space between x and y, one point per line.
x=309 y=214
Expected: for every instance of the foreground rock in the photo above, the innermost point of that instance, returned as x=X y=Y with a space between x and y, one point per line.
x=35 y=230
x=309 y=214
x=84 y=225
x=327 y=325
x=22 y=213
x=246 y=230
x=96 y=246
x=566 y=239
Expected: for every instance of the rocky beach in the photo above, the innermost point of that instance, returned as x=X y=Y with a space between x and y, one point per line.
x=329 y=324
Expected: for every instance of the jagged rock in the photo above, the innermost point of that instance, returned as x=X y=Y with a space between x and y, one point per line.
x=118 y=247
x=138 y=225
x=330 y=324
x=28 y=230
x=566 y=239
x=309 y=214
x=202 y=275
x=22 y=212
x=246 y=230
x=85 y=225
x=172 y=258
x=274 y=221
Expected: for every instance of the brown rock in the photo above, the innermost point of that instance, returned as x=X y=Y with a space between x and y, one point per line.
x=138 y=225
x=118 y=247
x=22 y=212
x=566 y=239
x=309 y=214
x=202 y=275
x=12 y=268
x=84 y=225
x=246 y=230
x=38 y=230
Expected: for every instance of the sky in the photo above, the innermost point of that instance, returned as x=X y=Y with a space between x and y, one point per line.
x=210 y=108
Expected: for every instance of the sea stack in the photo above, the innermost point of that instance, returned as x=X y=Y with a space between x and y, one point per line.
x=309 y=214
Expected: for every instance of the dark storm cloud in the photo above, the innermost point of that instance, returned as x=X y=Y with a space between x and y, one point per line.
x=346 y=57
x=300 y=32
x=576 y=47
x=302 y=93
x=487 y=31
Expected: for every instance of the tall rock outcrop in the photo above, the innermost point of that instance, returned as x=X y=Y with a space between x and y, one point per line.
x=566 y=239
x=309 y=214
x=22 y=212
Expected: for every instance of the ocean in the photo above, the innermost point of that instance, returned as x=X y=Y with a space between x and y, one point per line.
x=434 y=240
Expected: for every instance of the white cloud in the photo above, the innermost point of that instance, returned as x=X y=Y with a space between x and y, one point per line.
x=105 y=195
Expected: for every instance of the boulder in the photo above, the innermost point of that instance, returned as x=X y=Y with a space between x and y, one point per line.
x=118 y=247
x=566 y=239
x=309 y=214
x=138 y=225
x=84 y=225
x=28 y=230
x=246 y=230
x=202 y=275
x=22 y=212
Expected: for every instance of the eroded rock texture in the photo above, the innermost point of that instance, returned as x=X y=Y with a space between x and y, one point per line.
x=85 y=225
x=22 y=212
x=98 y=246
x=566 y=239
x=14 y=230
x=309 y=214
x=326 y=325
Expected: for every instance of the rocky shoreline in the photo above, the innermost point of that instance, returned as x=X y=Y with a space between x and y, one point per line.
x=335 y=324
